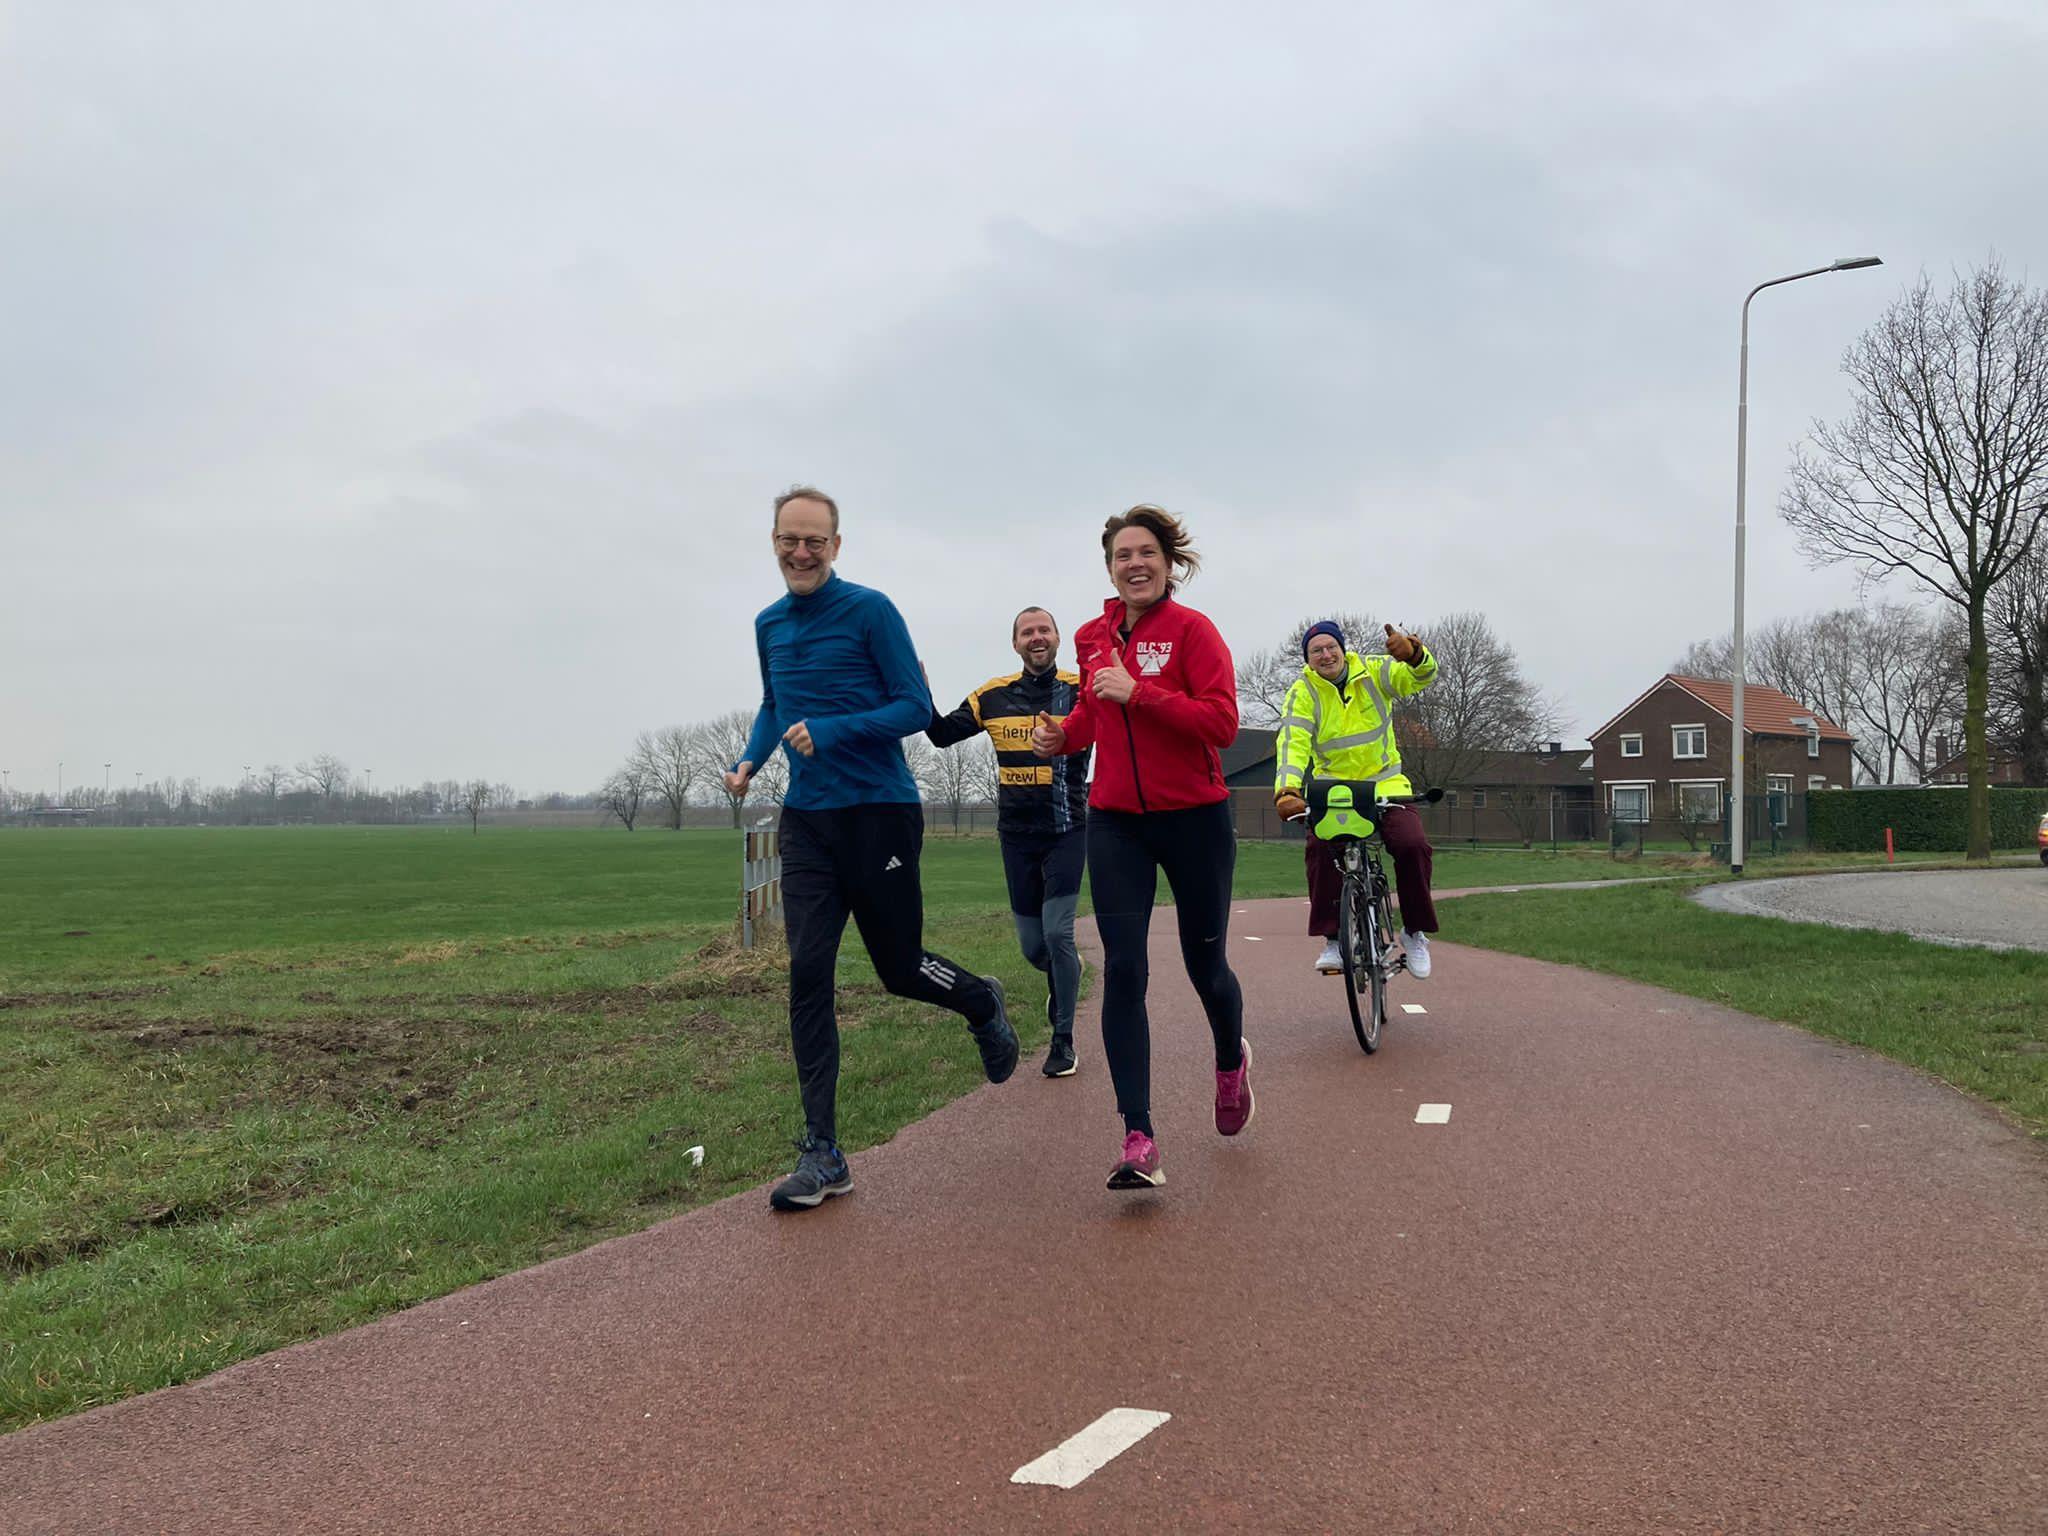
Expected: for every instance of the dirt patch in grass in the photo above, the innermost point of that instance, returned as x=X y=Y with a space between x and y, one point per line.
x=73 y=999
x=17 y=1261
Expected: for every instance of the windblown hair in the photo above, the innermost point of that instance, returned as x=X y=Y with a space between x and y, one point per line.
x=1169 y=530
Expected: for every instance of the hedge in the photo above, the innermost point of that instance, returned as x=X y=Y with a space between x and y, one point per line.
x=1922 y=820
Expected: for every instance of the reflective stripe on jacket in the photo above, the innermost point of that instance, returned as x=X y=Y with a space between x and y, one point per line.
x=1348 y=732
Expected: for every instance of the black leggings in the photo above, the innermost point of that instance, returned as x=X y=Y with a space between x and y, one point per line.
x=860 y=860
x=1197 y=849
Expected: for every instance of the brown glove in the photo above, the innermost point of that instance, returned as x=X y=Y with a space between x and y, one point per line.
x=1403 y=646
x=1289 y=805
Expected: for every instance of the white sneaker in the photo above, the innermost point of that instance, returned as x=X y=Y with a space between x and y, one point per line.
x=1417 y=945
x=1330 y=959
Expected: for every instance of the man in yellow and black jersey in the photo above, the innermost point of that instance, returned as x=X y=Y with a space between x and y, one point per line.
x=1041 y=813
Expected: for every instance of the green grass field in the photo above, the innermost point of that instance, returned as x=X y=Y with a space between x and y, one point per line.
x=259 y=1084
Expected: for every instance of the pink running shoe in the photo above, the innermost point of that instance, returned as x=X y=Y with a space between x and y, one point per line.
x=1234 y=1102
x=1138 y=1165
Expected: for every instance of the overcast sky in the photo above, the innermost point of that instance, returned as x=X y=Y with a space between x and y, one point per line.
x=411 y=381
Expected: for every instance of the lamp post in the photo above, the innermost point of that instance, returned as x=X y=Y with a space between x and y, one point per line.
x=1737 y=756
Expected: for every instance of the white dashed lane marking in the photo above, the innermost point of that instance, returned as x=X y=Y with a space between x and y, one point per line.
x=1088 y=1452
x=1433 y=1114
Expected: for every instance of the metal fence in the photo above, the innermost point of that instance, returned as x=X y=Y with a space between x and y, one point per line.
x=1774 y=822
x=760 y=882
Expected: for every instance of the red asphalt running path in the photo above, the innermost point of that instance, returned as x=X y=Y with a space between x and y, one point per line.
x=1667 y=1267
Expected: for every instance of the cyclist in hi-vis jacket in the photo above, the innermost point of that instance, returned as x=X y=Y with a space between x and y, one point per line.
x=1338 y=723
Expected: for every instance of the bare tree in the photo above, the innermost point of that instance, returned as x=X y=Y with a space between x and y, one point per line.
x=1711 y=659
x=621 y=795
x=1479 y=703
x=672 y=766
x=476 y=794
x=1940 y=472
x=952 y=776
x=2019 y=653
x=326 y=775
x=1263 y=677
x=720 y=743
x=926 y=765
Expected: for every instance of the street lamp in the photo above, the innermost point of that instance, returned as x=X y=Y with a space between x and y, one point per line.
x=1846 y=264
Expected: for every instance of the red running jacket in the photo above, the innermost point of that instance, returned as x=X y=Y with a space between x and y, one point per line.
x=1159 y=751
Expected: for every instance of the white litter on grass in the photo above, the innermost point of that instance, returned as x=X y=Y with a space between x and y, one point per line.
x=1433 y=1114
x=1413 y=1008
x=1081 y=1455
x=696 y=1157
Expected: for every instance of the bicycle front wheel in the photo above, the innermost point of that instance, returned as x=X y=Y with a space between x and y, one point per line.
x=1364 y=970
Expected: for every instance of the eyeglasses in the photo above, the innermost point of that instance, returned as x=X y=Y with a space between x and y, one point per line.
x=788 y=543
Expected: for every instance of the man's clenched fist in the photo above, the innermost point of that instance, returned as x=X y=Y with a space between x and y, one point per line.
x=1403 y=646
x=1289 y=805
x=736 y=782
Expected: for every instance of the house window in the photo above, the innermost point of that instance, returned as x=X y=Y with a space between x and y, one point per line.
x=1699 y=802
x=1478 y=799
x=1779 y=788
x=1450 y=799
x=1813 y=743
x=1632 y=746
x=1688 y=741
x=1631 y=802
x=1816 y=781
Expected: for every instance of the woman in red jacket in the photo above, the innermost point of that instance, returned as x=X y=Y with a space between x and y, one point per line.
x=1158 y=699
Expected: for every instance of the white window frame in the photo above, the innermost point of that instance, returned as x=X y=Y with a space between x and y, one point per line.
x=1649 y=802
x=1772 y=783
x=1680 y=786
x=1816 y=781
x=1450 y=799
x=1478 y=799
x=1685 y=757
x=1632 y=736
x=1813 y=743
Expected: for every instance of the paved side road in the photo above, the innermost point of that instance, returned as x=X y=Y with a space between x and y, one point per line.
x=1988 y=908
x=1662 y=1267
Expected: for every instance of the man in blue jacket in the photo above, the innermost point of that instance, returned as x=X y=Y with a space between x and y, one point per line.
x=840 y=689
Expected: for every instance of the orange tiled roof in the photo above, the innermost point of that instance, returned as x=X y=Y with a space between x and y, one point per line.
x=1765 y=711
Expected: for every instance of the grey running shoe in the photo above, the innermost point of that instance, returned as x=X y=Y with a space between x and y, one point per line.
x=1059 y=1061
x=821 y=1173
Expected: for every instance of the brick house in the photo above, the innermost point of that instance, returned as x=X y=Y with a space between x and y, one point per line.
x=1666 y=757
x=1499 y=796
x=1954 y=766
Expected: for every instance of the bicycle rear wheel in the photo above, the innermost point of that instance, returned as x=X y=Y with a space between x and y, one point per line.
x=1365 y=987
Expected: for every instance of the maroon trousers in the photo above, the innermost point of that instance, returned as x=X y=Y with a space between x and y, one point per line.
x=1408 y=846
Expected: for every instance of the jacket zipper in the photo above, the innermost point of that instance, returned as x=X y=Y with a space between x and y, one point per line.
x=1131 y=735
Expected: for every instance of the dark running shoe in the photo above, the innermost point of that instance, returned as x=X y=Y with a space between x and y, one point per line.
x=997 y=1040
x=821 y=1173
x=1059 y=1061
x=1137 y=1165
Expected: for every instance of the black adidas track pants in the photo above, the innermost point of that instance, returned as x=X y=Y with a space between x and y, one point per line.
x=860 y=860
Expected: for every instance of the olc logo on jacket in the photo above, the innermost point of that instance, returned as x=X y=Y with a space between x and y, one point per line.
x=1153 y=655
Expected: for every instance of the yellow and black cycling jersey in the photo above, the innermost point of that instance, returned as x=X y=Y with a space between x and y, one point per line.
x=1033 y=796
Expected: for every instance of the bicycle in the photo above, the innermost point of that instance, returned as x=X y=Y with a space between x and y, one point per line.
x=1365 y=914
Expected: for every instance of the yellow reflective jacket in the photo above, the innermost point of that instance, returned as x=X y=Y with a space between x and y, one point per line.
x=1348 y=732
